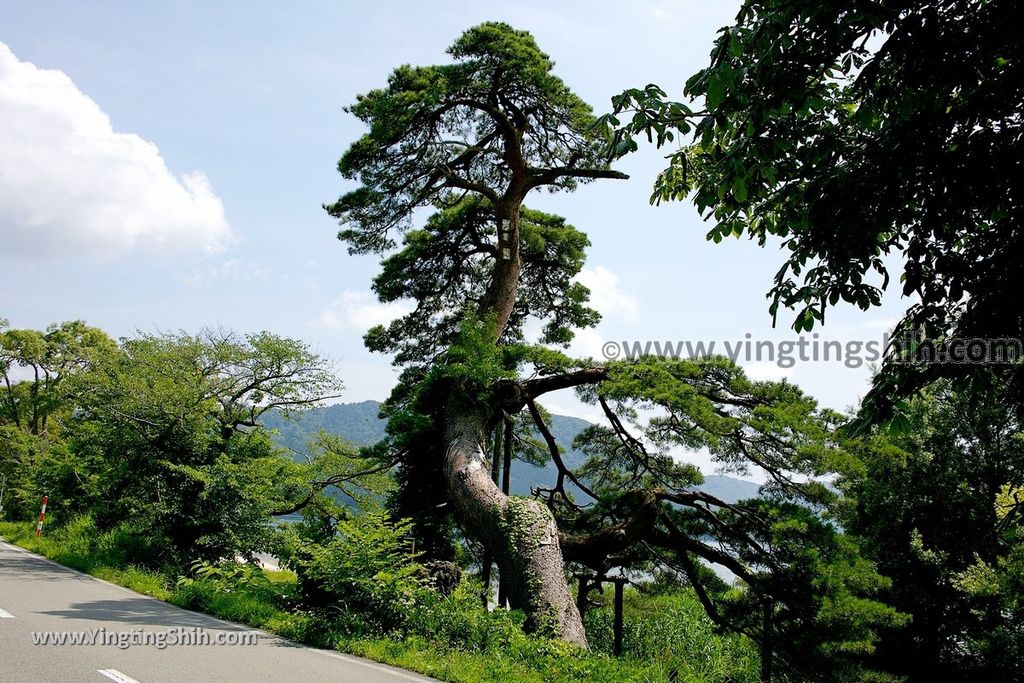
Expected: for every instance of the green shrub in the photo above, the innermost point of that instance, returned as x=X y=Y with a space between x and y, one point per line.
x=139 y=579
x=71 y=543
x=460 y=621
x=231 y=576
x=192 y=594
x=365 y=576
x=127 y=543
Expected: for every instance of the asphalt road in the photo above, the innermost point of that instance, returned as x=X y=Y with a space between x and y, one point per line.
x=39 y=596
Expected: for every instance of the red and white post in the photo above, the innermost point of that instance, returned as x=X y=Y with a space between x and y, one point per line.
x=42 y=516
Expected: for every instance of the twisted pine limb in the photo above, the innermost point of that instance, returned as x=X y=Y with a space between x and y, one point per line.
x=556 y=456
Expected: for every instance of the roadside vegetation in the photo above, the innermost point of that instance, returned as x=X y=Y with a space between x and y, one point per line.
x=451 y=637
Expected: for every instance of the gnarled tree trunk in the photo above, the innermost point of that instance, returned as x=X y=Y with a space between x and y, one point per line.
x=520 y=532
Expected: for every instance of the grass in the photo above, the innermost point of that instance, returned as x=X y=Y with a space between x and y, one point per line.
x=453 y=639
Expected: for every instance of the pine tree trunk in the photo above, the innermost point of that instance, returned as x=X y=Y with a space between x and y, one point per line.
x=521 y=532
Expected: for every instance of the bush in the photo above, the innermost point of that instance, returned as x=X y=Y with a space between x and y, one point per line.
x=71 y=544
x=460 y=621
x=228 y=577
x=365 y=576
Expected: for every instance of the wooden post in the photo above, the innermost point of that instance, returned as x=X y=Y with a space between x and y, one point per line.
x=488 y=559
x=42 y=516
x=411 y=540
x=506 y=469
x=619 y=582
x=767 y=628
x=497 y=457
x=505 y=485
x=485 y=596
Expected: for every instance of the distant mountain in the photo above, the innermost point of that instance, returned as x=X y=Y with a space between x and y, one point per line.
x=729 y=489
x=357 y=422
x=360 y=424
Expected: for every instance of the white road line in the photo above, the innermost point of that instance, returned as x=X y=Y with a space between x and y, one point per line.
x=115 y=675
x=5 y=614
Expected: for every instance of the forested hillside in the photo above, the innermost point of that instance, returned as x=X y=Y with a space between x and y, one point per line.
x=361 y=424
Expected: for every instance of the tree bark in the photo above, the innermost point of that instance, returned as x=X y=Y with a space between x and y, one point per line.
x=521 y=532
x=500 y=297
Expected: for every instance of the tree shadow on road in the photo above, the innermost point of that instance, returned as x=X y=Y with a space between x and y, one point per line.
x=28 y=568
x=142 y=611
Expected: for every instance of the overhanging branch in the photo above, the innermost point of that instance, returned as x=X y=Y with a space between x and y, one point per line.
x=556 y=456
x=542 y=385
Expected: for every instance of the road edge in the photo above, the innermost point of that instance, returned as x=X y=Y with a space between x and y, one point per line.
x=334 y=654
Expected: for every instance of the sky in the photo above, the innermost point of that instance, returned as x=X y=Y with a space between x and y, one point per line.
x=163 y=166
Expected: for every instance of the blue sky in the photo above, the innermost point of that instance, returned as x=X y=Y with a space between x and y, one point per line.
x=163 y=166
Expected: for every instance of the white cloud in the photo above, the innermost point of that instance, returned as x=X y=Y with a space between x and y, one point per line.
x=231 y=270
x=606 y=296
x=69 y=184
x=880 y=324
x=761 y=371
x=588 y=343
x=360 y=311
x=573 y=408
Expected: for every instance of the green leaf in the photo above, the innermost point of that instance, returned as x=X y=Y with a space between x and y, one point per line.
x=715 y=91
x=739 y=189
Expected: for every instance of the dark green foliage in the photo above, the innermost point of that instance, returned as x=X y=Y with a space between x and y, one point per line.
x=35 y=411
x=159 y=438
x=18 y=450
x=710 y=403
x=671 y=627
x=52 y=358
x=856 y=132
x=439 y=129
x=999 y=584
x=77 y=542
x=452 y=638
x=365 y=572
x=823 y=596
x=825 y=599
x=447 y=263
x=853 y=132
x=227 y=578
x=170 y=426
x=471 y=140
x=935 y=509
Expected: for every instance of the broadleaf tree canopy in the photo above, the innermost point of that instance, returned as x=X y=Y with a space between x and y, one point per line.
x=859 y=133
